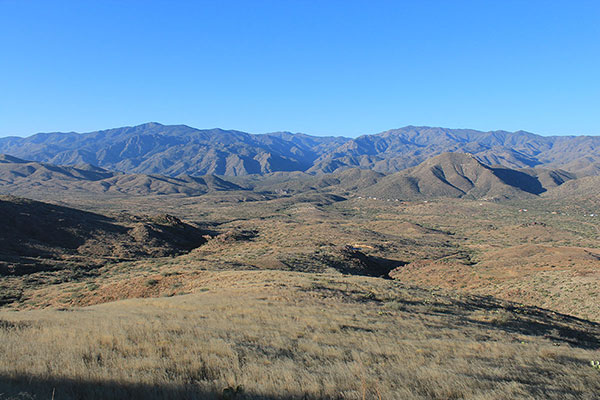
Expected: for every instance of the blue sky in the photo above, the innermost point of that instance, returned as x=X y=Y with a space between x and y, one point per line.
x=319 y=67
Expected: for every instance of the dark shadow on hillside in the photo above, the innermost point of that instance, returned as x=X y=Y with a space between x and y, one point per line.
x=514 y=318
x=345 y=259
x=26 y=387
x=48 y=224
x=34 y=235
x=41 y=237
x=519 y=179
x=559 y=328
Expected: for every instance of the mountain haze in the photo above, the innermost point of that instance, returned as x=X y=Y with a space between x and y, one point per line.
x=173 y=150
x=398 y=149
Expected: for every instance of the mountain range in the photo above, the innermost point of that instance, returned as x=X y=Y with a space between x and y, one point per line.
x=175 y=150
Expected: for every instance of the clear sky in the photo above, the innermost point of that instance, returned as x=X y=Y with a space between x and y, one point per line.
x=319 y=67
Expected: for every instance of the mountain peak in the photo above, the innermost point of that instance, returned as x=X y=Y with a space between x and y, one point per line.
x=148 y=125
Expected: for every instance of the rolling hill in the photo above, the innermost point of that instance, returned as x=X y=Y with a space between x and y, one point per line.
x=326 y=336
x=349 y=180
x=453 y=175
x=586 y=187
x=173 y=150
x=104 y=304
x=460 y=175
x=23 y=177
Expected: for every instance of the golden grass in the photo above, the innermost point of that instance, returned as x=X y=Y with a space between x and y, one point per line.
x=284 y=335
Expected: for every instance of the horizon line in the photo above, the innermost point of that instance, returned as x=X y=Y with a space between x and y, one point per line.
x=522 y=131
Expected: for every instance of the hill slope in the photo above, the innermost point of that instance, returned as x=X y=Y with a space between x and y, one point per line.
x=22 y=177
x=461 y=175
x=586 y=187
x=348 y=180
x=446 y=175
x=36 y=236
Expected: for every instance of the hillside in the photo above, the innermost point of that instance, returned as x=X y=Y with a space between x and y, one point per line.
x=461 y=175
x=25 y=177
x=37 y=237
x=178 y=149
x=586 y=187
x=534 y=250
x=349 y=180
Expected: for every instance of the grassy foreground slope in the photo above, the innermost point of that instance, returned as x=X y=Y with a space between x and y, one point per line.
x=290 y=335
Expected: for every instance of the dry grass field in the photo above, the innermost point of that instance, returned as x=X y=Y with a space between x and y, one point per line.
x=289 y=335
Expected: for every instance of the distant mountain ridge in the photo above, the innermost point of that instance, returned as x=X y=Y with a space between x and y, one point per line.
x=173 y=150
x=398 y=149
